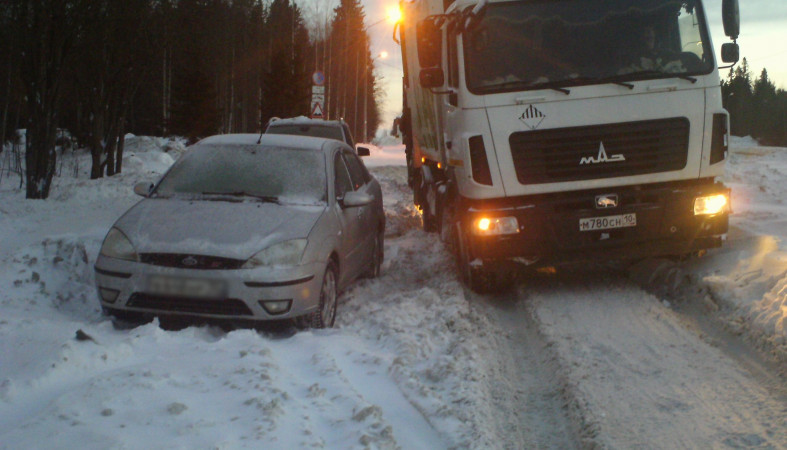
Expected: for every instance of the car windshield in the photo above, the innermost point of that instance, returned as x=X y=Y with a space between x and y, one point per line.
x=282 y=175
x=320 y=131
x=555 y=43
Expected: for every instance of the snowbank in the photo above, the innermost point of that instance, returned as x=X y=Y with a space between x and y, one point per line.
x=747 y=278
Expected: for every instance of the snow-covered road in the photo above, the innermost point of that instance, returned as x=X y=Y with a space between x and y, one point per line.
x=662 y=356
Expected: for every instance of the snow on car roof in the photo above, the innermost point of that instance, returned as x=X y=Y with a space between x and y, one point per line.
x=270 y=140
x=303 y=120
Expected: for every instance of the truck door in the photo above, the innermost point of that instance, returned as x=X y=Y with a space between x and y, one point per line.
x=450 y=100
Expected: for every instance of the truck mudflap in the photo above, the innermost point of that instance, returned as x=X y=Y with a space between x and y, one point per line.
x=610 y=224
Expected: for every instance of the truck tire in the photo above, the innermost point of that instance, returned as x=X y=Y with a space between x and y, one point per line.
x=429 y=220
x=481 y=280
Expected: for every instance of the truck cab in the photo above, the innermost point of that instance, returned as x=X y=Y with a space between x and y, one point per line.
x=562 y=131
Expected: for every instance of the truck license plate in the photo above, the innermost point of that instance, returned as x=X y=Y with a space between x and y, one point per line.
x=608 y=222
x=186 y=287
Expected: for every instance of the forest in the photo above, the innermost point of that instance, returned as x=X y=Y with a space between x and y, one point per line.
x=103 y=68
x=757 y=108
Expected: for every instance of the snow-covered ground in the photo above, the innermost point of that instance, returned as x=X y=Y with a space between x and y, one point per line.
x=415 y=362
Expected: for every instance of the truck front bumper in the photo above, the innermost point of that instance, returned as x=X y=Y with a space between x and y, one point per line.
x=554 y=228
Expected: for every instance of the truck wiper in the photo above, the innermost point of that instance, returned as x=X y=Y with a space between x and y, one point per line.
x=264 y=198
x=526 y=85
x=658 y=72
x=594 y=80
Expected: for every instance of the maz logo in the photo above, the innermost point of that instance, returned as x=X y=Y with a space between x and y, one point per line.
x=602 y=157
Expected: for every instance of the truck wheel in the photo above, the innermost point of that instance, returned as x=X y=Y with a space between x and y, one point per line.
x=481 y=280
x=429 y=220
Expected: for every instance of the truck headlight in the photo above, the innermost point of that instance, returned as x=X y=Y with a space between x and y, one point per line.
x=117 y=245
x=287 y=253
x=711 y=204
x=490 y=226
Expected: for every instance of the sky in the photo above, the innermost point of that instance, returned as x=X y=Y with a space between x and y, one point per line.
x=763 y=42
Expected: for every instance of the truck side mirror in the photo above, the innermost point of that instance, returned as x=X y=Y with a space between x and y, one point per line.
x=730 y=53
x=731 y=18
x=429 y=40
x=431 y=77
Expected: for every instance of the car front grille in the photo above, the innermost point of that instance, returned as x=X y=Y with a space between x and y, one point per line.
x=570 y=154
x=185 y=261
x=222 y=307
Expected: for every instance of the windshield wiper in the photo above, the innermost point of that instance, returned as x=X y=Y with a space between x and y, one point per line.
x=524 y=85
x=658 y=72
x=594 y=80
x=263 y=198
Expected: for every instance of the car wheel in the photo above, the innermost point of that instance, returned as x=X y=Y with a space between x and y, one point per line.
x=377 y=256
x=325 y=316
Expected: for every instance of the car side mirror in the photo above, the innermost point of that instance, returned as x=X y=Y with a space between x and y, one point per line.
x=431 y=77
x=730 y=53
x=355 y=198
x=363 y=151
x=143 y=188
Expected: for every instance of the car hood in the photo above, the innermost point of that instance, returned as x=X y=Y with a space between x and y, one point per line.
x=235 y=230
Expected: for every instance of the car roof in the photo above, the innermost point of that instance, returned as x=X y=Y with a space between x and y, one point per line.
x=273 y=140
x=303 y=120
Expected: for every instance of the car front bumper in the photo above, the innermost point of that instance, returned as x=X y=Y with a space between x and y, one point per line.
x=242 y=297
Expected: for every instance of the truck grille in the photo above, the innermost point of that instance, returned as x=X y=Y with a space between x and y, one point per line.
x=569 y=154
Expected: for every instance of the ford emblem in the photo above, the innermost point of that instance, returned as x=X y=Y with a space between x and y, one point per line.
x=190 y=261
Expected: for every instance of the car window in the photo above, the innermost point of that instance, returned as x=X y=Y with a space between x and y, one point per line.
x=290 y=175
x=358 y=172
x=343 y=183
x=321 y=131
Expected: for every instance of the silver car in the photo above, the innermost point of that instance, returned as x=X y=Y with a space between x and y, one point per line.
x=246 y=227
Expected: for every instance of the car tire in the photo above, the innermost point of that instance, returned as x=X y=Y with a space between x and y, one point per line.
x=325 y=315
x=378 y=256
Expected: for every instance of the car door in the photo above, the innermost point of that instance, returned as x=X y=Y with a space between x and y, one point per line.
x=351 y=247
x=362 y=183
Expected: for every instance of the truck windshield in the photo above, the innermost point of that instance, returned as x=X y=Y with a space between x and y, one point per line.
x=542 y=44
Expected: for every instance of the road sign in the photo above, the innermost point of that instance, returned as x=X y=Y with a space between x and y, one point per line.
x=318 y=90
x=317 y=110
x=318 y=78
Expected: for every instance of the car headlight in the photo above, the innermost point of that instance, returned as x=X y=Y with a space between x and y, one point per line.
x=287 y=253
x=116 y=245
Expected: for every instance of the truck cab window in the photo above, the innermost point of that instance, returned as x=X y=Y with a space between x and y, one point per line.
x=532 y=45
x=453 y=62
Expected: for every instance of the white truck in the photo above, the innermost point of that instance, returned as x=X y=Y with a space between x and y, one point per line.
x=542 y=132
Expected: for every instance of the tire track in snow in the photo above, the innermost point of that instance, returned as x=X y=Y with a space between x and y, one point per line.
x=530 y=389
x=640 y=378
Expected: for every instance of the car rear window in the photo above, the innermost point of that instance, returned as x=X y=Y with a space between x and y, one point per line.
x=287 y=174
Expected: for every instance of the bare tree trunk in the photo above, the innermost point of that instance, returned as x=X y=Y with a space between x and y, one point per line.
x=5 y=105
x=121 y=143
